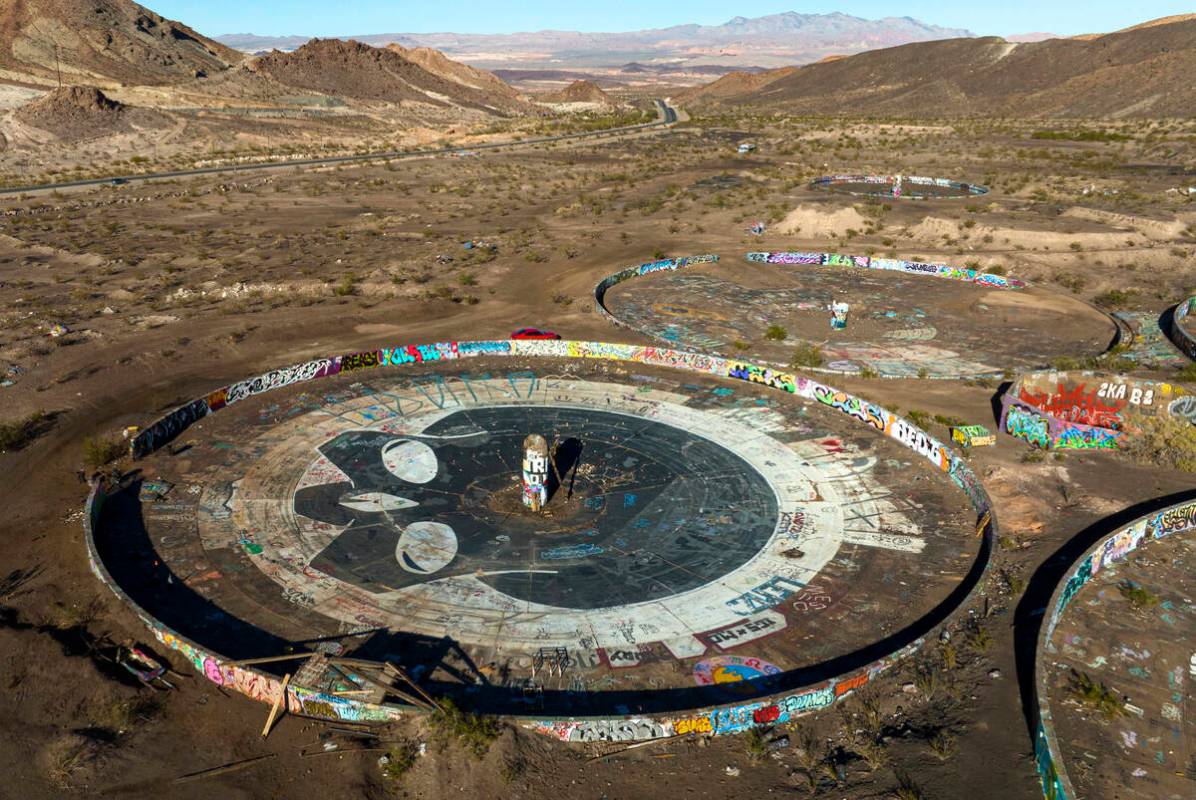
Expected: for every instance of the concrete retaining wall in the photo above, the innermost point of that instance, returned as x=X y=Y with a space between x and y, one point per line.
x=1180 y=518
x=715 y=720
x=1179 y=322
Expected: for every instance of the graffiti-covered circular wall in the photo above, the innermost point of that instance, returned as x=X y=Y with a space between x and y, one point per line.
x=853 y=314
x=1183 y=328
x=1116 y=666
x=1087 y=410
x=897 y=187
x=716 y=545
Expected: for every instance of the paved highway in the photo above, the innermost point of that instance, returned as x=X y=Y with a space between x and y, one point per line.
x=667 y=115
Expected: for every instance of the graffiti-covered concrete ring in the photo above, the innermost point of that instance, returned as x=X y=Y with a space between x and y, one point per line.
x=1095 y=647
x=898 y=187
x=907 y=318
x=720 y=544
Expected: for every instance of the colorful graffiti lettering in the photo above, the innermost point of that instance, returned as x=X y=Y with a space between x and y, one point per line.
x=1074 y=404
x=764 y=596
x=1022 y=423
x=893 y=265
x=732 y=669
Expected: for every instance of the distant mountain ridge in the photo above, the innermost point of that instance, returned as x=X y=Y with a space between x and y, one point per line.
x=772 y=40
x=1144 y=71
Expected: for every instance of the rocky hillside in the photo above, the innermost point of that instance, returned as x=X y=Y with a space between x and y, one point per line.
x=357 y=71
x=442 y=66
x=582 y=91
x=77 y=113
x=104 y=42
x=734 y=85
x=1145 y=71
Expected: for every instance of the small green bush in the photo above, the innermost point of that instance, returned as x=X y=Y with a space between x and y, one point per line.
x=1097 y=695
x=1138 y=596
x=918 y=417
x=1162 y=440
x=474 y=732
x=101 y=450
x=400 y=758
x=806 y=355
x=776 y=333
x=755 y=744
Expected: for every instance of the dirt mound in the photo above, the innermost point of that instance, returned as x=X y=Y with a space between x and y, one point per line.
x=580 y=92
x=104 y=41
x=75 y=113
x=1139 y=72
x=812 y=221
x=350 y=69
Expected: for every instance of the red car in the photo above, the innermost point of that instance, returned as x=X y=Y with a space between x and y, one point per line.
x=534 y=333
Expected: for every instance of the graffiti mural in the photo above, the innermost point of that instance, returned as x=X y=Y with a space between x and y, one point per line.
x=1085 y=410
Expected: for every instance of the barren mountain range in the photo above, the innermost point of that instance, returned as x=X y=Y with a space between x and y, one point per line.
x=136 y=81
x=774 y=40
x=1141 y=71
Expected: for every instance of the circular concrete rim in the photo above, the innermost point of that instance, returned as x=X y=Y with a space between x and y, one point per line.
x=946 y=271
x=1056 y=785
x=830 y=183
x=714 y=720
x=1179 y=335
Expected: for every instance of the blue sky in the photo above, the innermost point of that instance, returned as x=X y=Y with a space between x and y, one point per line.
x=348 y=17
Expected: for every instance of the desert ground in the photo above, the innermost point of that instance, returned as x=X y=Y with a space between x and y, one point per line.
x=120 y=302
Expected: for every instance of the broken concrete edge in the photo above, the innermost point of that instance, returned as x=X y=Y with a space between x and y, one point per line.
x=831 y=182
x=1179 y=518
x=1179 y=334
x=933 y=270
x=714 y=720
x=1042 y=421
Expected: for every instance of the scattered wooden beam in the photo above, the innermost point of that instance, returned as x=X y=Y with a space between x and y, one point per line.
x=214 y=771
x=245 y=662
x=278 y=701
x=335 y=663
x=399 y=672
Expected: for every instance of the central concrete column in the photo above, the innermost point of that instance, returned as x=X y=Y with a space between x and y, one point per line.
x=535 y=472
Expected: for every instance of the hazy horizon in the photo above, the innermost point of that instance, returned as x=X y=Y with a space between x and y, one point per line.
x=373 y=17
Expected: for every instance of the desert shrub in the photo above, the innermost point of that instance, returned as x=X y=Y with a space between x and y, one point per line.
x=400 y=758
x=1138 y=596
x=776 y=333
x=1163 y=440
x=15 y=435
x=1114 y=298
x=1187 y=374
x=918 y=417
x=755 y=744
x=474 y=732
x=347 y=286
x=806 y=355
x=1096 y=695
x=101 y=450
